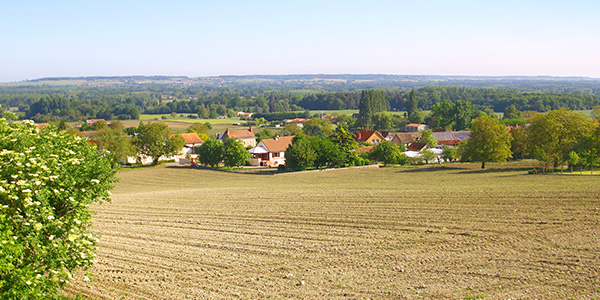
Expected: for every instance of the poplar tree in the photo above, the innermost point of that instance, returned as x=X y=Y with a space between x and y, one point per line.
x=371 y=102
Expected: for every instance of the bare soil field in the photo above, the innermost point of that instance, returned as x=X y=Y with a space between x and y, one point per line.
x=416 y=233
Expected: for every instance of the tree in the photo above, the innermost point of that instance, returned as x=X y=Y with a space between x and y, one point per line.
x=49 y=179
x=199 y=127
x=489 y=141
x=427 y=138
x=387 y=153
x=327 y=153
x=382 y=121
x=291 y=129
x=462 y=115
x=318 y=127
x=596 y=113
x=573 y=160
x=371 y=102
x=520 y=142
x=413 y=103
x=264 y=135
x=554 y=134
x=450 y=153
x=443 y=114
x=300 y=154
x=155 y=140
x=115 y=141
x=235 y=154
x=211 y=152
x=512 y=112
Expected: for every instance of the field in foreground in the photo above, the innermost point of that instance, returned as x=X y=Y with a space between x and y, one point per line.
x=179 y=233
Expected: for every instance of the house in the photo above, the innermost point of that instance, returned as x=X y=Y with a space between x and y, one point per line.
x=406 y=138
x=416 y=146
x=243 y=115
x=388 y=135
x=298 y=121
x=415 y=127
x=188 y=153
x=446 y=138
x=369 y=136
x=270 y=152
x=246 y=136
x=92 y=121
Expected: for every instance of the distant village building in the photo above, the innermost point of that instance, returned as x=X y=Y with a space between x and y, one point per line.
x=415 y=127
x=246 y=136
x=270 y=152
x=369 y=136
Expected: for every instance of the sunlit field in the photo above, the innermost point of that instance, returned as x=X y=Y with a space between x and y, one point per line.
x=392 y=233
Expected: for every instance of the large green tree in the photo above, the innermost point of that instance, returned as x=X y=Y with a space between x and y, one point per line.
x=235 y=154
x=489 y=141
x=371 y=102
x=211 y=152
x=116 y=141
x=300 y=154
x=155 y=140
x=463 y=114
x=554 y=134
x=387 y=153
x=48 y=179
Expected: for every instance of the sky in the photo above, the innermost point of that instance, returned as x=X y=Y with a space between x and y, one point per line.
x=209 y=38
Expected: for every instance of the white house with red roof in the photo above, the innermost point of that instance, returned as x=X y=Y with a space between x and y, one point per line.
x=270 y=152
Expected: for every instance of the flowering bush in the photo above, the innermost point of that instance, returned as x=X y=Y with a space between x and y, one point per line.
x=48 y=179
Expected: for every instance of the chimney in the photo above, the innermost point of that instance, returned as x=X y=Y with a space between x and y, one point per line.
x=359 y=136
x=250 y=129
x=227 y=131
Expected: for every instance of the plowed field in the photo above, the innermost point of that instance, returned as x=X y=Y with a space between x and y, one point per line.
x=179 y=233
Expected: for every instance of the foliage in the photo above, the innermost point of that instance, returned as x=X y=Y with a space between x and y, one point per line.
x=155 y=140
x=596 y=112
x=371 y=102
x=427 y=138
x=450 y=153
x=235 y=154
x=554 y=134
x=116 y=141
x=211 y=152
x=264 y=135
x=48 y=180
x=317 y=127
x=300 y=154
x=327 y=153
x=512 y=112
x=462 y=115
x=200 y=128
x=291 y=129
x=387 y=153
x=489 y=141
x=382 y=121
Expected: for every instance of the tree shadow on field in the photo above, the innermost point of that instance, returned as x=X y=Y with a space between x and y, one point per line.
x=426 y=169
x=497 y=170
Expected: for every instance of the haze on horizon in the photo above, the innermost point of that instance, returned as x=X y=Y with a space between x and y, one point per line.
x=206 y=38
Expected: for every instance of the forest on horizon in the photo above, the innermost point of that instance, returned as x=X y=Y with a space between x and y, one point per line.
x=125 y=97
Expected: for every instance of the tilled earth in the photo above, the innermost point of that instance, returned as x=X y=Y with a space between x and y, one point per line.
x=417 y=233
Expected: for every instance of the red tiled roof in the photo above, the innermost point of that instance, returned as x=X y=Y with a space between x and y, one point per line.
x=414 y=125
x=279 y=144
x=416 y=146
x=239 y=134
x=365 y=134
x=191 y=138
x=408 y=137
x=364 y=149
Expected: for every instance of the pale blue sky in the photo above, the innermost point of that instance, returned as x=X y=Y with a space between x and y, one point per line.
x=203 y=38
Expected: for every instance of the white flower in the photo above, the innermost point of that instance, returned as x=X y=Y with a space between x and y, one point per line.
x=86 y=279
x=28 y=282
x=39 y=275
x=50 y=217
x=95 y=181
x=51 y=237
x=26 y=191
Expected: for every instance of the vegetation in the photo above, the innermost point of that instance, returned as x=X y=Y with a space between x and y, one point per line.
x=155 y=140
x=48 y=179
x=489 y=141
